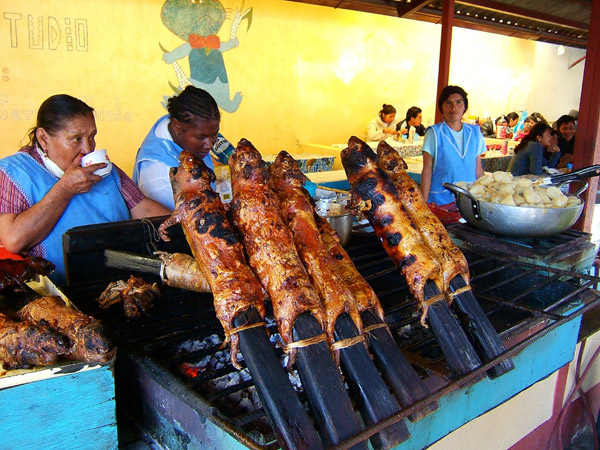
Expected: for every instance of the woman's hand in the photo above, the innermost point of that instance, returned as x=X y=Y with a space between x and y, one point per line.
x=77 y=179
x=391 y=131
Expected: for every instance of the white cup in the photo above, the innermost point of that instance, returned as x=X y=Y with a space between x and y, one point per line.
x=96 y=157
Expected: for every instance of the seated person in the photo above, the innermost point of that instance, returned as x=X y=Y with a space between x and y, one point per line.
x=487 y=127
x=527 y=125
x=513 y=119
x=414 y=118
x=46 y=192
x=384 y=125
x=192 y=124
x=565 y=127
x=529 y=154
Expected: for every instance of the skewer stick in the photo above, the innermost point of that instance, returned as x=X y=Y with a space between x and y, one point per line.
x=458 y=351
x=395 y=368
x=482 y=334
x=323 y=385
x=289 y=420
x=374 y=398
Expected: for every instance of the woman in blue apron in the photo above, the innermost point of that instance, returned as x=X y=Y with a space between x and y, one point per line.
x=44 y=191
x=451 y=149
x=192 y=124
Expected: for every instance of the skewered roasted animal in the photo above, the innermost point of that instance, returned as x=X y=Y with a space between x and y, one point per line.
x=23 y=345
x=374 y=194
x=136 y=294
x=216 y=249
x=15 y=272
x=182 y=271
x=361 y=290
x=433 y=232
x=88 y=339
x=269 y=243
x=286 y=179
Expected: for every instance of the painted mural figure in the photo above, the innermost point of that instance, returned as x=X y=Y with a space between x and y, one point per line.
x=197 y=22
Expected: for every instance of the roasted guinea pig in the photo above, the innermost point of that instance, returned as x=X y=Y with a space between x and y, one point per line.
x=23 y=345
x=137 y=295
x=433 y=232
x=269 y=243
x=216 y=249
x=374 y=194
x=88 y=339
x=286 y=179
x=15 y=272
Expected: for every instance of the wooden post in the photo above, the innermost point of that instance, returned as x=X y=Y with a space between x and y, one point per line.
x=445 y=46
x=588 y=126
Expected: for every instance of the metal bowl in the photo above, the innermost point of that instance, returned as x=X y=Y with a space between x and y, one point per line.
x=340 y=220
x=514 y=221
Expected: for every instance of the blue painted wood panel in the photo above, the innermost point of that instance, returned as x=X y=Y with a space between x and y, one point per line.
x=538 y=360
x=75 y=411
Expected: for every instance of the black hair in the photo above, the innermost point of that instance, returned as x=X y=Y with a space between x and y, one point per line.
x=412 y=112
x=386 y=109
x=499 y=118
x=537 y=117
x=564 y=119
x=448 y=91
x=193 y=102
x=537 y=130
x=513 y=116
x=55 y=111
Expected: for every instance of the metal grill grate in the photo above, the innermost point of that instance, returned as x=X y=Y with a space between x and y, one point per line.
x=523 y=302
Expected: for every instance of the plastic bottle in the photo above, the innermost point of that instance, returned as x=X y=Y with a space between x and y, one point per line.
x=505 y=147
x=501 y=129
x=411 y=134
x=224 y=183
x=222 y=149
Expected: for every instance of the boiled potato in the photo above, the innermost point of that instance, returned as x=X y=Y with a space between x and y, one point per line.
x=508 y=188
x=554 y=192
x=531 y=196
x=477 y=190
x=508 y=200
x=519 y=200
x=502 y=177
x=523 y=182
x=486 y=179
x=560 y=202
x=543 y=195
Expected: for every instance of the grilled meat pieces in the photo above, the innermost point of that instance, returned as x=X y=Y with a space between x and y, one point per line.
x=23 y=345
x=88 y=339
x=15 y=272
x=361 y=290
x=374 y=194
x=268 y=241
x=286 y=179
x=214 y=245
x=136 y=294
x=182 y=271
x=433 y=232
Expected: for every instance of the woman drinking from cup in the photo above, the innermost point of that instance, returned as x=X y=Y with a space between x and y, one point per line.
x=45 y=191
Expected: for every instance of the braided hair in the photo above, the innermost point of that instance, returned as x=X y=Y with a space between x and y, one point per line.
x=193 y=103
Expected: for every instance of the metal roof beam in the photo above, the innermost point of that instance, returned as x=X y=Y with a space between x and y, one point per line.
x=512 y=10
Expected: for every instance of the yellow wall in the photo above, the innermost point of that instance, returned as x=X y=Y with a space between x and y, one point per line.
x=308 y=74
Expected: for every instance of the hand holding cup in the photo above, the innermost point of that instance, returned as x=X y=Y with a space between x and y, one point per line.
x=97 y=157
